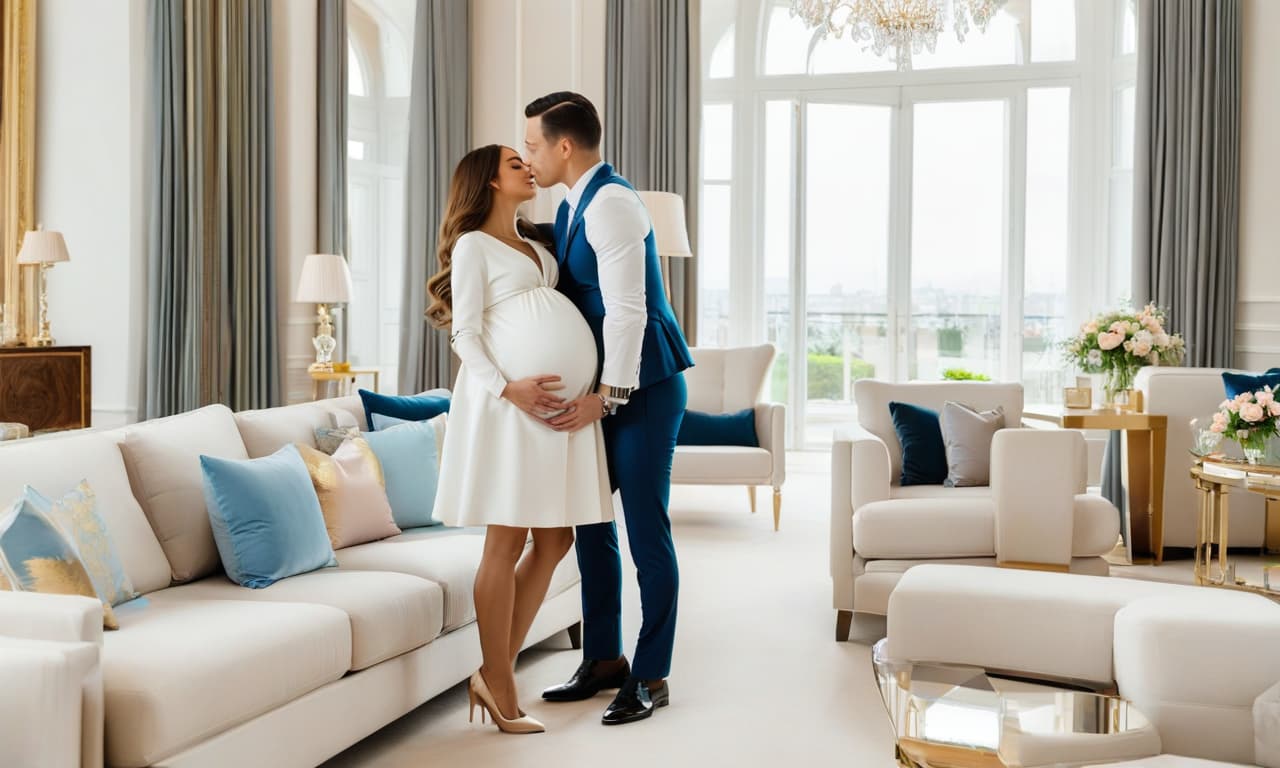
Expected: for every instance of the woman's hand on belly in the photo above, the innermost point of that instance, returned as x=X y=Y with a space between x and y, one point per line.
x=533 y=395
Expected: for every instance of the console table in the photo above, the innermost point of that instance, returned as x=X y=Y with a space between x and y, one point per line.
x=45 y=388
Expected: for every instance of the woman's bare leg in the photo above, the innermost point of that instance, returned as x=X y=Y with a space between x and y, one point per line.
x=495 y=595
x=533 y=576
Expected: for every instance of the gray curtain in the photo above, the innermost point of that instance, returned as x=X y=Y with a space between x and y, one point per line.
x=331 y=140
x=1187 y=170
x=438 y=138
x=211 y=262
x=652 y=104
x=1186 y=180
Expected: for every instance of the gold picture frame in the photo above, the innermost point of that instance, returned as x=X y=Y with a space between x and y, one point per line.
x=17 y=158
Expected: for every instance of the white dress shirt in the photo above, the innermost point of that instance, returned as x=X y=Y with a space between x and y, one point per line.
x=616 y=225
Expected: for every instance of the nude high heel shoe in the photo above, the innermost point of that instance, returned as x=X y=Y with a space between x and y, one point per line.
x=480 y=696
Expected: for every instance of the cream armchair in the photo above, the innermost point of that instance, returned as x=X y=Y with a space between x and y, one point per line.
x=727 y=381
x=1035 y=514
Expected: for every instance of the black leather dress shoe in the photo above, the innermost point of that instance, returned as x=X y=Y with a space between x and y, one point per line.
x=635 y=702
x=589 y=680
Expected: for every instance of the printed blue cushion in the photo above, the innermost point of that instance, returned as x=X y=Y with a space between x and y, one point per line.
x=700 y=428
x=421 y=407
x=410 y=469
x=36 y=556
x=924 y=454
x=76 y=513
x=266 y=518
x=1237 y=383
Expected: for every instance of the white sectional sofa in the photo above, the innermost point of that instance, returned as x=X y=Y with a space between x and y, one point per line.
x=1199 y=662
x=207 y=673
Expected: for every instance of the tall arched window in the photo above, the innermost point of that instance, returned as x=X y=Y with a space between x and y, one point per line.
x=379 y=39
x=965 y=214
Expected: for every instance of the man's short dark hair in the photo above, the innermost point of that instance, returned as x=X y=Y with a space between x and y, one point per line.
x=565 y=113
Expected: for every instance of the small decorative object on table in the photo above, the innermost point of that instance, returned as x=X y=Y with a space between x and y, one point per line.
x=11 y=430
x=1116 y=344
x=1251 y=419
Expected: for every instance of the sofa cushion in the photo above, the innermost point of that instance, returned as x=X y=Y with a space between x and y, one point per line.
x=418 y=407
x=352 y=492
x=1045 y=624
x=265 y=431
x=447 y=556
x=59 y=462
x=967 y=435
x=410 y=461
x=1237 y=383
x=266 y=518
x=721 y=464
x=924 y=454
x=698 y=428
x=1195 y=663
x=925 y=528
x=163 y=459
x=181 y=671
x=76 y=513
x=390 y=613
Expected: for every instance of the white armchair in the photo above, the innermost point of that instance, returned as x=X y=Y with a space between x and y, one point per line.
x=726 y=381
x=1035 y=514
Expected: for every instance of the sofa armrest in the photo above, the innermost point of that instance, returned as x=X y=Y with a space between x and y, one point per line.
x=771 y=429
x=51 y=712
x=65 y=618
x=1033 y=485
x=859 y=475
x=1266 y=728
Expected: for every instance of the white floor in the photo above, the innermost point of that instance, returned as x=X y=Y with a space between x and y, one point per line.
x=758 y=679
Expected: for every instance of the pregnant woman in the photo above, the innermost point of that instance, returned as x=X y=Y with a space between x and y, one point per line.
x=523 y=345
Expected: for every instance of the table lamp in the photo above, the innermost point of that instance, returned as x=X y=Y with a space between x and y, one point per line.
x=666 y=211
x=43 y=248
x=326 y=280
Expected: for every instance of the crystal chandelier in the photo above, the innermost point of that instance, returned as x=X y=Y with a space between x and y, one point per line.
x=898 y=27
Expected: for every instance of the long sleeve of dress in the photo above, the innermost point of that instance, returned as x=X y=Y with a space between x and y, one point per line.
x=467 y=282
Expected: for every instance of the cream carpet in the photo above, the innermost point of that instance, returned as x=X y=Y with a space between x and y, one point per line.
x=758 y=679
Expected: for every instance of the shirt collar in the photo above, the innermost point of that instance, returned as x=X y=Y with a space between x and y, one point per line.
x=580 y=186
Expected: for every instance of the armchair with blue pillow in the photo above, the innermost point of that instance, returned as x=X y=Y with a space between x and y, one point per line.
x=730 y=435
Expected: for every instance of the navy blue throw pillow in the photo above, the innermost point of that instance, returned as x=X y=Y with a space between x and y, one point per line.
x=1235 y=383
x=924 y=454
x=719 y=429
x=407 y=407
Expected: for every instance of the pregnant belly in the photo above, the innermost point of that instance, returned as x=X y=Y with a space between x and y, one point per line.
x=540 y=332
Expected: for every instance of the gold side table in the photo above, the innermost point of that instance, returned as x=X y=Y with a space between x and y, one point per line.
x=346 y=380
x=1146 y=437
x=1215 y=478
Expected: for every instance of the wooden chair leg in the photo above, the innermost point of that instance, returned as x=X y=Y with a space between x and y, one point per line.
x=751 y=494
x=844 y=622
x=575 y=636
x=777 y=507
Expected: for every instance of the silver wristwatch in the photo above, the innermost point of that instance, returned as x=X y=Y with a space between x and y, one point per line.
x=620 y=395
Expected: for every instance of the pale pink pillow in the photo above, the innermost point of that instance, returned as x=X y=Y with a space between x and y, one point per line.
x=352 y=493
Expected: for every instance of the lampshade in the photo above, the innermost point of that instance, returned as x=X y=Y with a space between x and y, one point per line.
x=42 y=246
x=666 y=209
x=325 y=280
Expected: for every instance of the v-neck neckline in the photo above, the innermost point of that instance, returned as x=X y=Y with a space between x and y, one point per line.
x=540 y=266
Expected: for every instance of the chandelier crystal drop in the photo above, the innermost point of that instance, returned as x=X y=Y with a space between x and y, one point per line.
x=900 y=28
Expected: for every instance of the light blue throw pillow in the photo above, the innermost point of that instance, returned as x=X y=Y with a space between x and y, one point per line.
x=265 y=517
x=381 y=421
x=410 y=467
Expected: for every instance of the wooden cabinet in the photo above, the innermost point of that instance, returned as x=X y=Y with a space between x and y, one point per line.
x=45 y=387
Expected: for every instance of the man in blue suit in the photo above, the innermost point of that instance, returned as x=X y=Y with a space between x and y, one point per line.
x=609 y=268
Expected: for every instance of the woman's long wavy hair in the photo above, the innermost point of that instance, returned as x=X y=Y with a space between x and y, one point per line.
x=470 y=202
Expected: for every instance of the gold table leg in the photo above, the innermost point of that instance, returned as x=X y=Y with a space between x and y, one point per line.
x=1139 y=471
x=1272 y=541
x=1158 y=442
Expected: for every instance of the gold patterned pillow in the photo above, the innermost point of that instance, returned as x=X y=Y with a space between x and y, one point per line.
x=35 y=556
x=352 y=493
x=76 y=514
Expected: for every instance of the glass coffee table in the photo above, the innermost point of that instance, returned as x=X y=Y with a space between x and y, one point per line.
x=952 y=716
x=1216 y=478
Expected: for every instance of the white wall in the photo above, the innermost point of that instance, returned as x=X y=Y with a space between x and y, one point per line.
x=1258 y=313
x=90 y=169
x=523 y=49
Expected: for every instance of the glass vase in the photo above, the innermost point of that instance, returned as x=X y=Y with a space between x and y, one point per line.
x=1254 y=447
x=1117 y=388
